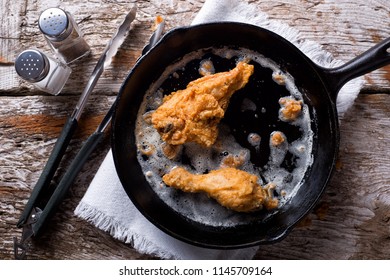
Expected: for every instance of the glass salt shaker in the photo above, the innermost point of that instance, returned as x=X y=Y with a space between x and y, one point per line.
x=63 y=34
x=44 y=72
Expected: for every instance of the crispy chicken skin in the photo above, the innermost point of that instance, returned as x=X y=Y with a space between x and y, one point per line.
x=290 y=108
x=277 y=138
x=192 y=114
x=233 y=188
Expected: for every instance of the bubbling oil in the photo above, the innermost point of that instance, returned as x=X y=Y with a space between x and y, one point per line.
x=284 y=165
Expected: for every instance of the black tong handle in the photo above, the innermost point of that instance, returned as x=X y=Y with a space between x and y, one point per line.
x=66 y=181
x=71 y=173
x=50 y=168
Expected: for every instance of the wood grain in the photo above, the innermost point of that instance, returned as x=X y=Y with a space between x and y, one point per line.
x=352 y=219
x=331 y=23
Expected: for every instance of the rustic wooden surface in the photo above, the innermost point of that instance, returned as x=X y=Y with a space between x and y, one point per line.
x=351 y=221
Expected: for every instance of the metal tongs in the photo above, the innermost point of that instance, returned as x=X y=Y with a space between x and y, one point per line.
x=33 y=217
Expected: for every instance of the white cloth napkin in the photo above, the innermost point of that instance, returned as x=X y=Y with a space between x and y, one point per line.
x=106 y=205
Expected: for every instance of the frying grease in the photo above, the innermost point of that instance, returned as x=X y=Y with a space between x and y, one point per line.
x=198 y=159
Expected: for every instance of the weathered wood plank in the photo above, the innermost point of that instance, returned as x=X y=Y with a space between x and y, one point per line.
x=333 y=24
x=351 y=221
x=98 y=20
x=29 y=128
x=344 y=28
x=11 y=21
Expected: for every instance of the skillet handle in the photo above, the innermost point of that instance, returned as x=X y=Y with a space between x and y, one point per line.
x=372 y=59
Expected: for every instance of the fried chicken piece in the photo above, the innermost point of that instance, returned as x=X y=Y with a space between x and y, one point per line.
x=291 y=108
x=277 y=138
x=192 y=114
x=233 y=188
x=233 y=160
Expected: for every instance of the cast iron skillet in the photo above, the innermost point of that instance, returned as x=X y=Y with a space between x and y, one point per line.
x=318 y=85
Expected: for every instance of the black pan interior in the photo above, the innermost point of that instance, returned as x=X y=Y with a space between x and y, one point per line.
x=264 y=92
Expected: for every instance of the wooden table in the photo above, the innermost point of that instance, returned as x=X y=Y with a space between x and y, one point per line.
x=351 y=221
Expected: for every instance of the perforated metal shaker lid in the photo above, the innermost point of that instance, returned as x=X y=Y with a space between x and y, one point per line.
x=32 y=65
x=54 y=23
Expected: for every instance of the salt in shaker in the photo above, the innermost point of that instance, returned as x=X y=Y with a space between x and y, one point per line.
x=63 y=34
x=44 y=72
